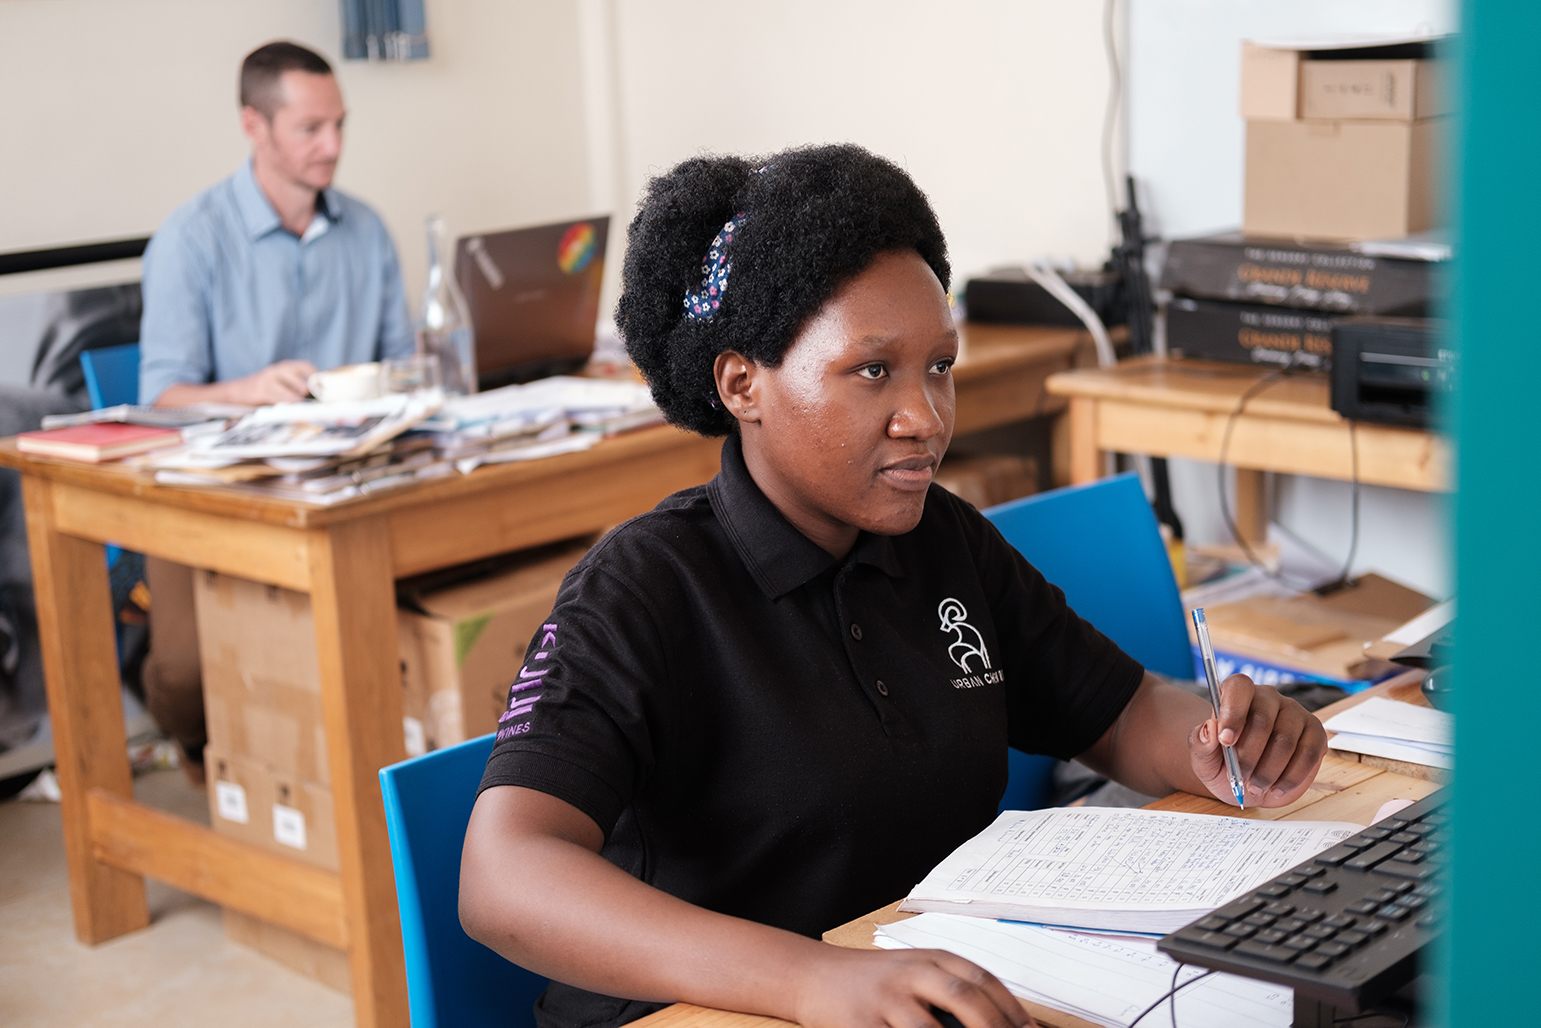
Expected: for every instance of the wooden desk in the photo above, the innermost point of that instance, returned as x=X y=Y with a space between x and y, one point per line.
x=1171 y=408
x=1002 y=372
x=347 y=557
x=1345 y=790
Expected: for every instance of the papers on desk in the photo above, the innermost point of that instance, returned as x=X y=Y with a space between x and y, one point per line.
x=1121 y=870
x=157 y=417
x=1105 y=979
x=312 y=429
x=326 y=453
x=586 y=402
x=1399 y=731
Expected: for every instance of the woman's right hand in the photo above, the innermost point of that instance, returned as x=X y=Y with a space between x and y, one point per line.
x=849 y=988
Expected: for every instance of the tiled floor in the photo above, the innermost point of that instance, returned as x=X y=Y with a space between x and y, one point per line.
x=181 y=972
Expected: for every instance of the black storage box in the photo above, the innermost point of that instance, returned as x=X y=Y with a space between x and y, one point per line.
x=1248 y=334
x=1390 y=370
x=1009 y=297
x=1313 y=276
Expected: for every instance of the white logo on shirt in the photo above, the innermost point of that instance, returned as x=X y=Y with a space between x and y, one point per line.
x=968 y=643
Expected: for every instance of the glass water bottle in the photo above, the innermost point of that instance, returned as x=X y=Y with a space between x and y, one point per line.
x=444 y=329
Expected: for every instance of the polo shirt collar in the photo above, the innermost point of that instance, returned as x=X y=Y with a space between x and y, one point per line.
x=260 y=217
x=779 y=557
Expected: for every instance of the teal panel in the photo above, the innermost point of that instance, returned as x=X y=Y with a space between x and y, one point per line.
x=1495 y=907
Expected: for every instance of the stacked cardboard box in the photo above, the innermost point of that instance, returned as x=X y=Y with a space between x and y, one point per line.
x=266 y=759
x=1342 y=141
x=462 y=642
x=459 y=648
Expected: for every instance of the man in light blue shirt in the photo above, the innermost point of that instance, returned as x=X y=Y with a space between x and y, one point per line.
x=265 y=277
x=249 y=288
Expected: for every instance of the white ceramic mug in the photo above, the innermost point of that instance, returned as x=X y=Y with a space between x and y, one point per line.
x=349 y=382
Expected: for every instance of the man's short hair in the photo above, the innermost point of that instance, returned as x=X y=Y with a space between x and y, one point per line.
x=264 y=66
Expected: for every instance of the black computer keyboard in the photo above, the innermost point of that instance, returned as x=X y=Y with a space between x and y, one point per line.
x=1343 y=928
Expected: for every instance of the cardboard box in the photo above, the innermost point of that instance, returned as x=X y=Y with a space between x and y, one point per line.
x=239 y=795
x=987 y=479
x=1270 y=82
x=1249 y=334
x=251 y=801
x=463 y=645
x=311 y=958
x=1406 y=90
x=1343 y=180
x=1311 y=638
x=1352 y=75
x=261 y=678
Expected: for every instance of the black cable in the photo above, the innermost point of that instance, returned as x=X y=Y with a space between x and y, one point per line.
x=1252 y=391
x=1343 y=578
x=1170 y=994
x=1225 y=444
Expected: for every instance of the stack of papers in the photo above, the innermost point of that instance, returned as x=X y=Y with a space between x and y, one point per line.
x=1109 y=980
x=554 y=415
x=311 y=429
x=1400 y=731
x=1146 y=871
x=318 y=480
x=325 y=453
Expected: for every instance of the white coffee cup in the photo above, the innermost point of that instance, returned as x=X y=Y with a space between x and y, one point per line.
x=349 y=382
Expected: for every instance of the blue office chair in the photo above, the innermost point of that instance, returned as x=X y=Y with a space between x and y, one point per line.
x=1100 y=544
x=112 y=375
x=452 y=980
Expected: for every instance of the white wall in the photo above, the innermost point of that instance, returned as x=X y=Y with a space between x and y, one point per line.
x=116 y=112
x=993 y=106
x=1185 y=145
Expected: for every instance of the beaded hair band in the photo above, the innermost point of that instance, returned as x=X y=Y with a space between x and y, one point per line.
x=702 y=304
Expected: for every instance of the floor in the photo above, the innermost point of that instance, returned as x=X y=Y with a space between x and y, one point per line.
x=181 y=972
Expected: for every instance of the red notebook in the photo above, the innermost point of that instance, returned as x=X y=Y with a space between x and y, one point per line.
x=107 y=440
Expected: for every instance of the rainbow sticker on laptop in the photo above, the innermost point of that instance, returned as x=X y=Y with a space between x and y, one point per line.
x=576 y=250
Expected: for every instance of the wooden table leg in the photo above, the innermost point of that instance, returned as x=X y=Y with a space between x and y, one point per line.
x=353 y=597
x=1086 y=462
x=80 y=663
x=1252 y=506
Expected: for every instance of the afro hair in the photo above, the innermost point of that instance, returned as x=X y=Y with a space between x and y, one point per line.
x=815 y=217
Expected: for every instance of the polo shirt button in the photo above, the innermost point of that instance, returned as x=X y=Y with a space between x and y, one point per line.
x=882 y=689
x=855 y=631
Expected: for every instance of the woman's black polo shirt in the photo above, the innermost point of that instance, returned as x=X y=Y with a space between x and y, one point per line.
x=769 y=732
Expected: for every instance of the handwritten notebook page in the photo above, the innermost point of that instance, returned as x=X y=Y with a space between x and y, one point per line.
x=1131 y=870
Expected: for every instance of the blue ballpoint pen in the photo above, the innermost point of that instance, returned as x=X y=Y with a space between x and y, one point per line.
x=1207 y=651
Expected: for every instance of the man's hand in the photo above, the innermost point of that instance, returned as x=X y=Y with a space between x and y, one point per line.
x=897 y=989
x=283 y=382
x=1279 y=745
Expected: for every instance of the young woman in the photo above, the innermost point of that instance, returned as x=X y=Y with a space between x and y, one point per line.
x=776 y=701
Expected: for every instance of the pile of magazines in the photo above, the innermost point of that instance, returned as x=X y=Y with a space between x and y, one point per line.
x=324 y=453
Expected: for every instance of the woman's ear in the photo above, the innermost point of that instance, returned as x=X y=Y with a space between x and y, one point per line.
x=735 y=376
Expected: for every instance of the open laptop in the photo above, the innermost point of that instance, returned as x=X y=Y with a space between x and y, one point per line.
x=534 y=298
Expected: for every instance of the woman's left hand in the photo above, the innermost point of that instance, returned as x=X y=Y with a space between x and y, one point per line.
x=1279 y=744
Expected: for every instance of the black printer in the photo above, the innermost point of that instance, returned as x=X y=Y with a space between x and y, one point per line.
x=1391 y=371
